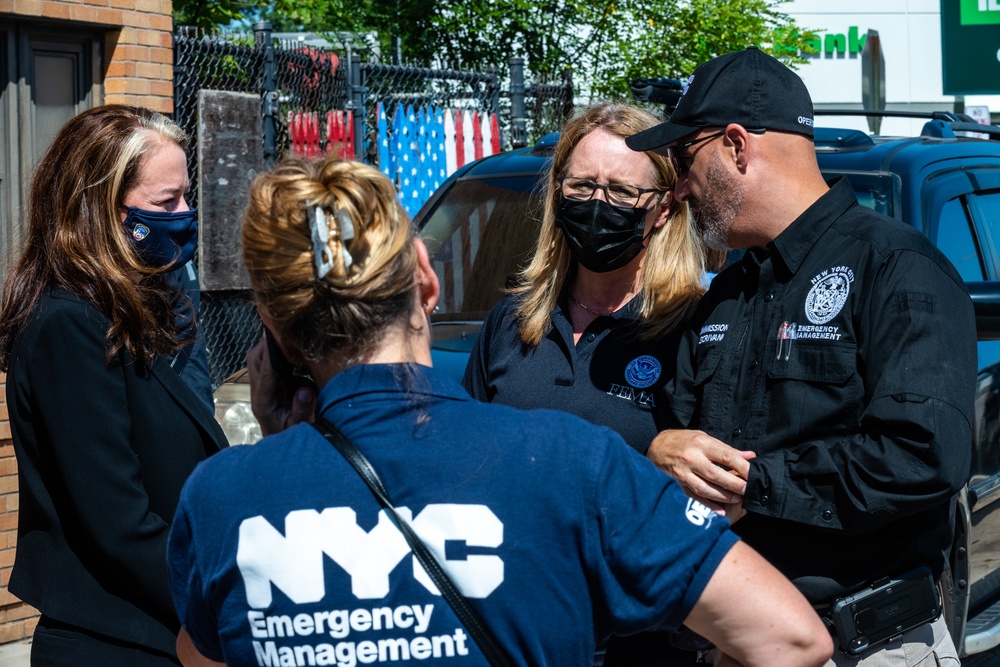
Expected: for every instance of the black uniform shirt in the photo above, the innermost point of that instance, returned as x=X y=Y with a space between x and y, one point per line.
x=844 y=355
x=610 y=378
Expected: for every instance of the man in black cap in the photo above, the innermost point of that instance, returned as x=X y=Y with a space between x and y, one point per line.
x=827 y=378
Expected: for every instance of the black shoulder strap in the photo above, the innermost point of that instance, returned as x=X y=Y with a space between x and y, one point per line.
x=480 y=633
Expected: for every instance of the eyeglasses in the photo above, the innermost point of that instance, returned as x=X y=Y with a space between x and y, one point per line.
x=683 y=164
x=618 y=194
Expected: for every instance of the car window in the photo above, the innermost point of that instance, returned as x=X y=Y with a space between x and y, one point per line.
x=954 y=238
x=479 y=235
x=873 y=191
x=989 y=351
x=989 y=211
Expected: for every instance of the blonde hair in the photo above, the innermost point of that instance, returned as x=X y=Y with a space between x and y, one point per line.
x=675 y=260
x=347 y=309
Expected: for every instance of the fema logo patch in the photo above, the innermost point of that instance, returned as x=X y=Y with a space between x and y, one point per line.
x=140 y=231
x=643 y=371
x=828 y=294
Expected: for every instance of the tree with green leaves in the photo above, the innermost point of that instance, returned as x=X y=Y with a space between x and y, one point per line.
x=606 y=43
x=208 y=14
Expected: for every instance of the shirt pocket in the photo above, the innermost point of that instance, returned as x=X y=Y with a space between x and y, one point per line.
x=708 y=361
x=707 y=394
x=828 y=362
x=816 y=392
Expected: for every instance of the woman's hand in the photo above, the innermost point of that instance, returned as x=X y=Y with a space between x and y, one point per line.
x=276 y=402
x=189 y=655
x=709 y=470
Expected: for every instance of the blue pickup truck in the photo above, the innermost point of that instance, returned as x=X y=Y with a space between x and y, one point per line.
x=482 y=224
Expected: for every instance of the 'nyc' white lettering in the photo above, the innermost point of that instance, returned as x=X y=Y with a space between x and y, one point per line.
x=293 y=562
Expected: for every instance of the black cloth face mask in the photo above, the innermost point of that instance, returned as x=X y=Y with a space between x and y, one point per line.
x=601 y=236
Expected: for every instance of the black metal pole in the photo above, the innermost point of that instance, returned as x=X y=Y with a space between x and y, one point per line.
x=269 y=92
x=358 y=95
x=518 y=121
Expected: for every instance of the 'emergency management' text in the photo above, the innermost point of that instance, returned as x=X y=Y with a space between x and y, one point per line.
x=819 y=332
x=339 y=623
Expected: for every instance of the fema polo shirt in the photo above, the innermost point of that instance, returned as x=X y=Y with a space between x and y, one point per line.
x=611 y=377
x=844 y=355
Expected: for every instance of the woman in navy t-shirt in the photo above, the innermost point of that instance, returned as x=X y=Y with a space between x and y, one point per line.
x=553 y=529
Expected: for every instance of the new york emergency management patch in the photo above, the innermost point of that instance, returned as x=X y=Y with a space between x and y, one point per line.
x=828 y=294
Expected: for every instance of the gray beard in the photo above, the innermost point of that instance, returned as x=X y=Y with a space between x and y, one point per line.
x=714 y=233
x=717 y=213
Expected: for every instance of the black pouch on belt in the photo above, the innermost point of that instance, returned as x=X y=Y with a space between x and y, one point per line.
x=885 y=610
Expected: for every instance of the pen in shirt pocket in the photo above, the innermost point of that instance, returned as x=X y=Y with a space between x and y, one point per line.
x=786 y=335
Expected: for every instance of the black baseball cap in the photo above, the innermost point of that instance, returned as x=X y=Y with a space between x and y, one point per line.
x=746 y=87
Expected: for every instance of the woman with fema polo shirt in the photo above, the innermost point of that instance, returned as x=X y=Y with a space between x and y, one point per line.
x=618 y=267
x=593 y=328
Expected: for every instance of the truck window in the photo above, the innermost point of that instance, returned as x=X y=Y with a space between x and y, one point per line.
x=954 y=238
x=989 y=210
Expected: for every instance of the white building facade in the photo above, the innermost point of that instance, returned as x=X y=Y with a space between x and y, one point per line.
x=910 y=36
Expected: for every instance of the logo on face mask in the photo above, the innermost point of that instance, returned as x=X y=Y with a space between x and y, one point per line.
x=163 y=238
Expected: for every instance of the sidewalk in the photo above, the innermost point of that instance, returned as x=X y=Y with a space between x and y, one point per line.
x=15 y=654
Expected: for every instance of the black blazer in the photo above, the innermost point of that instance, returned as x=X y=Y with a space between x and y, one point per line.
x=102 y=451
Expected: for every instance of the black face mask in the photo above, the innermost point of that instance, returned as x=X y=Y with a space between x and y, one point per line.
x=602 y=237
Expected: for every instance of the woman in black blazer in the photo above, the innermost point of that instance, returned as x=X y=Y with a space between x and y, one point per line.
x=104 y=430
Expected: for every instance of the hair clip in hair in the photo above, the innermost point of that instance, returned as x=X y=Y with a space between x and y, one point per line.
x=320 y=238
x=345 y=228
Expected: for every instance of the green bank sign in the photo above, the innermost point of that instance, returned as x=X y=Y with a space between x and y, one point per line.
x=970 y=47
x=980 y=12
x=838 y=43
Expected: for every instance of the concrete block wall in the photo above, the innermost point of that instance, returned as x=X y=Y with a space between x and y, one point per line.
x=137 y=69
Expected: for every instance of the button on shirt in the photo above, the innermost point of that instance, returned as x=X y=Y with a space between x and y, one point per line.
x=610 y=377
x=843 y=354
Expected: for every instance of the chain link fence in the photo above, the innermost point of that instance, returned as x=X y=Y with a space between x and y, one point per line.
x=314 y=101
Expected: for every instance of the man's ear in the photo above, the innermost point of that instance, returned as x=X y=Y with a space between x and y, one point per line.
x=738 y=139
x=427 y=280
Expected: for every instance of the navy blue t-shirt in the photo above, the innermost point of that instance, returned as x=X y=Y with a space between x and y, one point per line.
x=611 y=377
x=554 y=530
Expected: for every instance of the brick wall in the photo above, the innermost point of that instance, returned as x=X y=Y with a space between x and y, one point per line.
x=138 y=69
x=17 y=620
x=138 y=43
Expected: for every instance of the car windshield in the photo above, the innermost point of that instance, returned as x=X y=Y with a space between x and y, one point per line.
x=478 y=236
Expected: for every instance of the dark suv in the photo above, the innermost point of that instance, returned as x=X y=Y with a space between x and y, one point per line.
x=482 y=224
